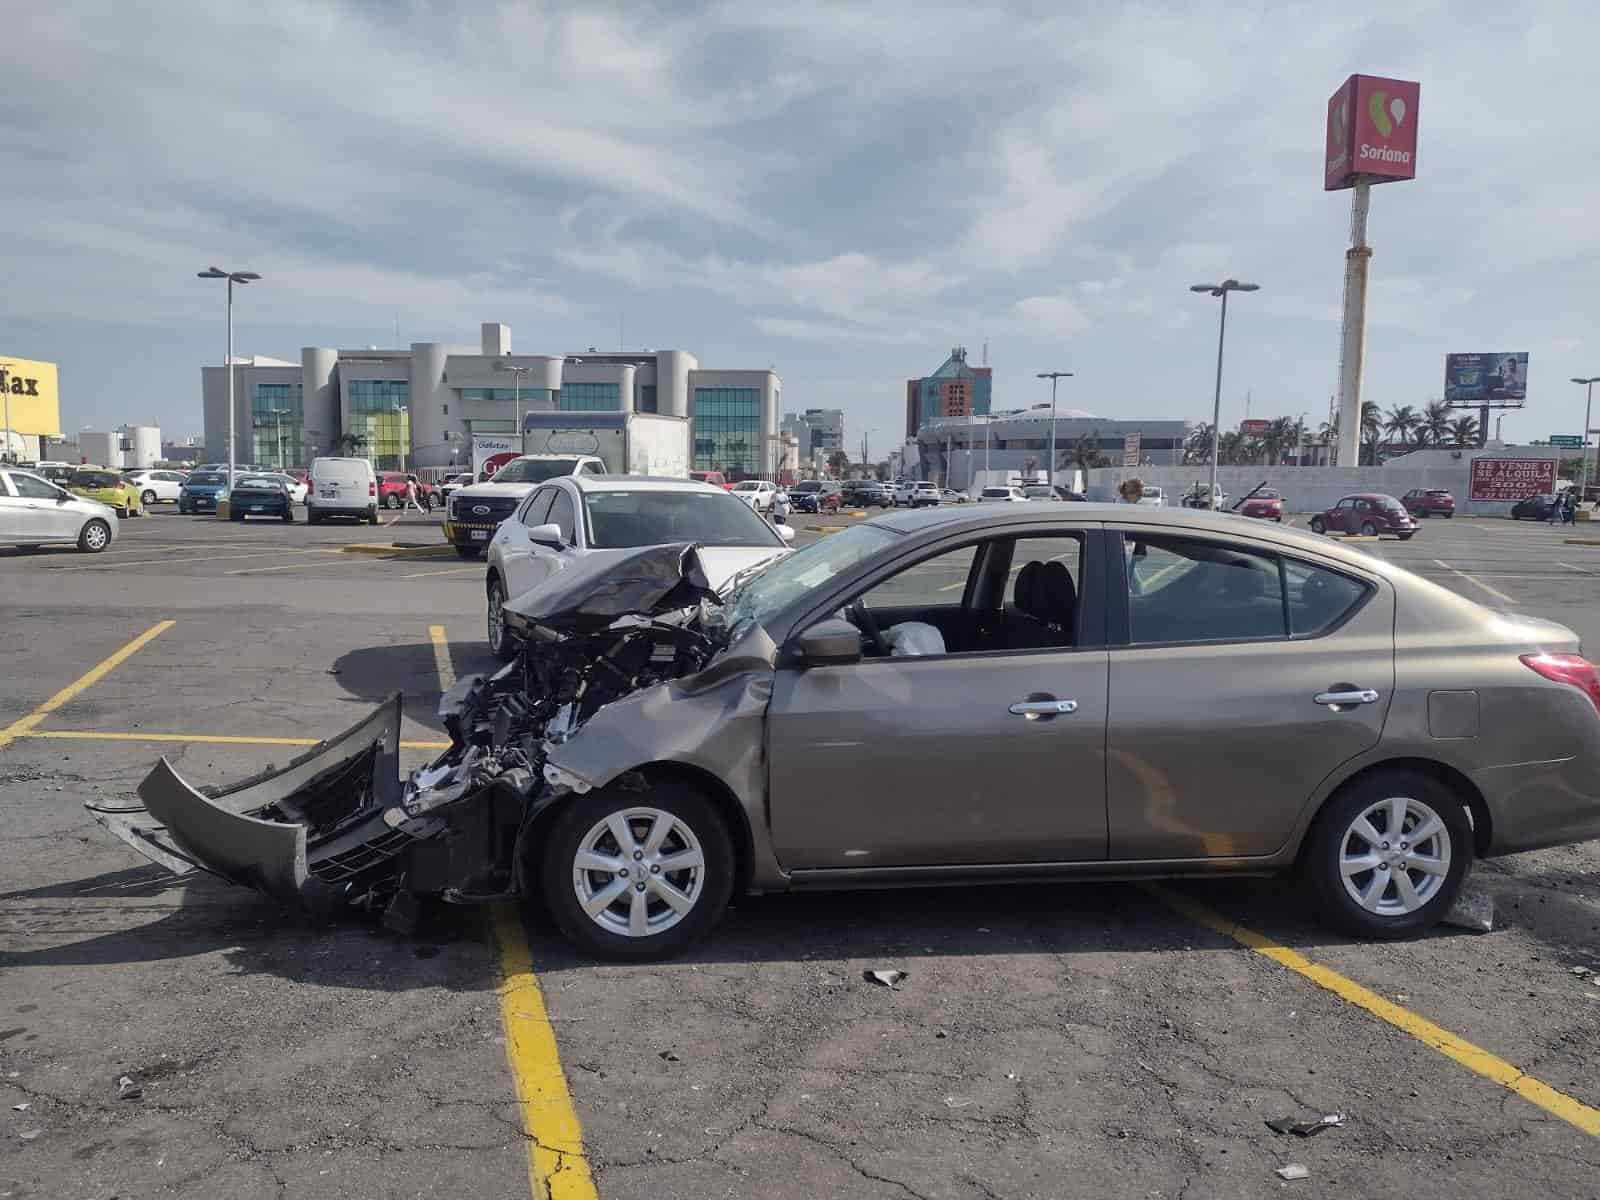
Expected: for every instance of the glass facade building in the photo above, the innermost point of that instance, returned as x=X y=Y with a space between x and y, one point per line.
x=589 y=397
x=380 y=420
x=277 y=425
x=727 y=430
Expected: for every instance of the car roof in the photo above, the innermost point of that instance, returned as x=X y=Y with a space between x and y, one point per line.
x=635 y=483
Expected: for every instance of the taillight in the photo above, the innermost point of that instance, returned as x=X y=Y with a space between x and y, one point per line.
x=372 y=489
x=1571 y=669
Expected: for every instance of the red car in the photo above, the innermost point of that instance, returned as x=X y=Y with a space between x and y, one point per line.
x=1265 y=504
x=392 y=490
x=1429 y=502
x=714 y=478
x=1369 y=514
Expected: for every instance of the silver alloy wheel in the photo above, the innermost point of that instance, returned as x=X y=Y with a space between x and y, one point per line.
x=96 y=536
x=497 y=619
x=638 y=872
x=1395 y=856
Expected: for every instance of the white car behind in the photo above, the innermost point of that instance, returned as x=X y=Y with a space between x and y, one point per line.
x=1002 y=495
x=569 y=518
x=757 y=493
x=1153 y=497
x=155 y=485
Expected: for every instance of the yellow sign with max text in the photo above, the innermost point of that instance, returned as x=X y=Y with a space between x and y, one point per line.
x=30 y=404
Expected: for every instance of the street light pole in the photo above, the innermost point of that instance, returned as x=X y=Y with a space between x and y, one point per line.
x=1588 y=405
x=1052 y=376
x=241 y=278
x=5 y=390
x=516 y=393
x=1221 y=290
x=405 y=433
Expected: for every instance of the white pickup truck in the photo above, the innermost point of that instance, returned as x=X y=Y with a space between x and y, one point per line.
x=473 y=513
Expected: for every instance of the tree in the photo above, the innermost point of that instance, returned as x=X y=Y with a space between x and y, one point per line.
x=1464 y=431
x=839 y=463
x=1371 y=430
x=1435 y=424
x=1198 y=448
x=1282 y=435
x=350 y=443
x=1085 y=452
x=1400 y=421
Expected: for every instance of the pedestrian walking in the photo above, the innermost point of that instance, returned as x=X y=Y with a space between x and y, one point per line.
x=780 y=507
x=1569 y=508
x=411 y=495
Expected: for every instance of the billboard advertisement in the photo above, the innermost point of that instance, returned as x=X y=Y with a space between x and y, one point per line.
x=1372 y=132
x=1254 y=426
x=1131 y=449
x=31 y=402
x=1498 y=380
x=1511 y=479
x=489 y=453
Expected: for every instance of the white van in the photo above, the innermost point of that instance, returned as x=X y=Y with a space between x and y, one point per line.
x=342 y=487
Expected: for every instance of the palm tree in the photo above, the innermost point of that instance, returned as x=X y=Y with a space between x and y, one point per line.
x=1085 y=453
x=1464 y=431
x=1232 y=448
x=351 y=442
x=1282 y=435
x=1400 y=421
x=1198 y=448
x=1435 y=424
x=1371 y=430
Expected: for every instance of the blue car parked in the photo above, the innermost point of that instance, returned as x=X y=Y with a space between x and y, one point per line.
x=202 y=490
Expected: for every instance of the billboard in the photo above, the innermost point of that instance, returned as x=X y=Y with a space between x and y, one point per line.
x=491 y=453
x=1254 y=426
x=1497 y=380
x=1131 y=449
x=31 y=402
x=1372 y=132
x=1511 y=479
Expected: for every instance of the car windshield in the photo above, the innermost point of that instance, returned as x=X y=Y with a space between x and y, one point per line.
x=638 y=517
x=1038 y=492
x=1152 y=493
x=809 y=485
x=748 y=485
x=207 y=479
x=534 y=470
x=805 y=570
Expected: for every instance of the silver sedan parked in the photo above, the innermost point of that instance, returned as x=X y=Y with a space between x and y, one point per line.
x=35 y=512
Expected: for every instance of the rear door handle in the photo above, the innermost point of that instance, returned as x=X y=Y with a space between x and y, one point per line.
x=1034 y=709
x=1351 y=696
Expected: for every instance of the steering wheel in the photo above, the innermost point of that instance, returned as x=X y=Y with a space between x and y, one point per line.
x=868 y=624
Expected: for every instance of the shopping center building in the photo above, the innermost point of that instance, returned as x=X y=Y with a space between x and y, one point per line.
x=957 y=451
x=422 y=407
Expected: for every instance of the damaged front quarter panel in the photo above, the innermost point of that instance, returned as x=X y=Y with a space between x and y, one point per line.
x=711 y=722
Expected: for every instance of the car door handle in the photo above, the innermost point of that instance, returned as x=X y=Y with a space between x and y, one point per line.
x=1352 y=696
x=1033 y=709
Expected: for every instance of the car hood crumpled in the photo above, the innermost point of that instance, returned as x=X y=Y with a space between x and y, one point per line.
x=607 y=584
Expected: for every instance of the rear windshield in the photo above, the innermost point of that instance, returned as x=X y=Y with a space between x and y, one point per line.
x=652 y=518
x=997 y=491
x=257 y=481
x=535 y=470
x=1388 y=503
x=1039 y=492
x=1437 y=492
x=95 y=479
x=208 y=479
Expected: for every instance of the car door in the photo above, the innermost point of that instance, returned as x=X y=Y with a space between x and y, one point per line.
x=971 y=757
x=37 y=509
x=516 y=550
x=1222 y=713
x=17 y=516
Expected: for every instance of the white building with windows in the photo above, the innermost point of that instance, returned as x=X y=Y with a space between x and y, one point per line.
x=426 y=403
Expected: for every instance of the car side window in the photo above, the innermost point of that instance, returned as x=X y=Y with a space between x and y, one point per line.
x=30 y=488
x=563 y=514
x=937 y=582
x=1183 y=590
x=537 y=510
x=593 y=469
x=1317 y=598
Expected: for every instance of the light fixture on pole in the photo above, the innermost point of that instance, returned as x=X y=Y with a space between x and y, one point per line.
x=1052 y=376
x=1588 y=404
x=1221 y=290
x=241 y=278
x=516 y=393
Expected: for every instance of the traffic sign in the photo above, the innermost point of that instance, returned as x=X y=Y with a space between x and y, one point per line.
x=1571 y=440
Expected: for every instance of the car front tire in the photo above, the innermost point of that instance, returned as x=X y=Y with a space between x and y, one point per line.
x=94 y=537
x=148 y=499
x=500 y=640
x=1374 y=878
x=1368 y=529
x=1318 y=525
x=638 y=876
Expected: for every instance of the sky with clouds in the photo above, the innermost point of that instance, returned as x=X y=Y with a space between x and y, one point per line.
x=842 y=192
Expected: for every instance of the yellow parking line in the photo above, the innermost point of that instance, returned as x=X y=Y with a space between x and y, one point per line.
x=207 y=739
x=557 y=1167
x=343 y=562
x=1474 y=1058
x=1493 y=591
x=445 y=571
x=441 y=658
x=142 y=562
x=23 y=726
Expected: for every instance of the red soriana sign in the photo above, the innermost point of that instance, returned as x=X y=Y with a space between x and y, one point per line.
x=1372 y=132
x=1254 y=426
x=1511 y=479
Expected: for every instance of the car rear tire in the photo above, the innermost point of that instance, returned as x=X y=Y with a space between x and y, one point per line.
x=1406 y=537
x=148 y=499
x=94 y=537
x=288 y=515
x=313 y=517
x=1318 y=525
x=500 y=640
x=1351 y=856
x=372 y=515
x=1448 y=515
x=683 y=883
x=467 y=551
x=1368 y=529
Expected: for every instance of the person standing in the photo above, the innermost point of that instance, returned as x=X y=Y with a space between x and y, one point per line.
x=1129 y=490
x=1569 y=507
x=780 y=507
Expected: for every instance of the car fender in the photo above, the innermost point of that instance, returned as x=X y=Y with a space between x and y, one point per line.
x=712 y=724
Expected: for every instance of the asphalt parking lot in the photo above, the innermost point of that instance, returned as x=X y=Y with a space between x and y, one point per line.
x=1105 y=1039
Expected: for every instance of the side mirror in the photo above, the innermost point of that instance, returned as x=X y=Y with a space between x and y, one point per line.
x=830 y=643
x=786 y=532
x=547 y=535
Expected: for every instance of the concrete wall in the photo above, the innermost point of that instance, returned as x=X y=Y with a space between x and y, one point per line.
x=1313 y=489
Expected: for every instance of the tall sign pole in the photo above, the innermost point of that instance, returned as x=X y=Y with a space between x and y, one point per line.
x=1371 y=138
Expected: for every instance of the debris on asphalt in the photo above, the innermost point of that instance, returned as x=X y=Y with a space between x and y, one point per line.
x=1581 y=972
x=1292 y=1171
x=1306 y=1128
x=957 y=1101
x=1473 y=909
x=669 y=1056
x=30 y=1134
x=129 y=1088
x=23 y=1107
x=889 y=979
